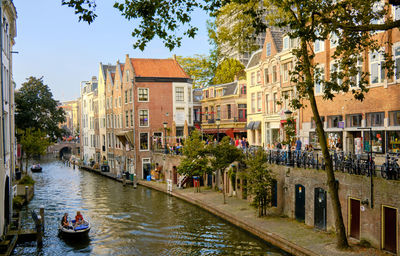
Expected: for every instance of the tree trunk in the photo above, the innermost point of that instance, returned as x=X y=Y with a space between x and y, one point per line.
x=223 y=185
x=26 y=164
x=341 y=239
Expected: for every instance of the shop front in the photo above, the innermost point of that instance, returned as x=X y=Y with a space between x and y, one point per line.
x=374 y=140
x=393 y=141
x=334 y=140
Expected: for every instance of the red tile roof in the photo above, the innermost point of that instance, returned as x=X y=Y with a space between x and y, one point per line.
x=158 y=68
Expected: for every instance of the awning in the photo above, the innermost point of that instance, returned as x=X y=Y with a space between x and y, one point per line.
x=125 y=137
x=256 y=125
x=249 y=126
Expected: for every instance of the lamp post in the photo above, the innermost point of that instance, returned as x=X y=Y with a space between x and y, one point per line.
x=288 y=114
x=165 y=137
x=217 y=122
x=370 y=163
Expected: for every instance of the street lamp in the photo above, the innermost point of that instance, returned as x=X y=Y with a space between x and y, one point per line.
x=165 y=137
x=288 y=114
x=217 y=122
x=370 y=163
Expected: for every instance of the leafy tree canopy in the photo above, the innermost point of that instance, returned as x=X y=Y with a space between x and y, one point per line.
x=227 y=70
x=224 y=153
x=33 y=142
x=195 y=161
x=199 y=67
x=36 y=108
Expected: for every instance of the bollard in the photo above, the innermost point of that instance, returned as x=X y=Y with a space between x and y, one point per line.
x=26 y=194
x=134 y=181
x=41 y=212
x=39 y=238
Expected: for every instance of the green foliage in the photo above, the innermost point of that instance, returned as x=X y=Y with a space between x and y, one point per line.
x=259 y=180
x=224 y=154
x=33 y=142
x=199 y=67
x=290 y=129
x=195 y=161
x=18 y=202
x=27 y=180
x=227 y=70
x=36 y=109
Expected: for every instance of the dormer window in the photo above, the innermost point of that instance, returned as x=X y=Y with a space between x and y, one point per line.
x=268 y=49
x=286 y=43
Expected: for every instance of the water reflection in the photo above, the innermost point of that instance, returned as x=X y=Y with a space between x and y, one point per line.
x=127 y=221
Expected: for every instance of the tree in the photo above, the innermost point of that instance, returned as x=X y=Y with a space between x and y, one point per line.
x=228 y=70
x=224 y=154
x=259 y=181
x=33 y=142
x=199 y=67
x=195 y=161
x=36 y=108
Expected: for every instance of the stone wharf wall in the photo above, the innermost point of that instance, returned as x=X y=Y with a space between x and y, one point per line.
x=385 y=193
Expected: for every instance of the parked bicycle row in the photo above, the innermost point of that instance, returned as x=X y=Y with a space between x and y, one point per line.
x=362 y=164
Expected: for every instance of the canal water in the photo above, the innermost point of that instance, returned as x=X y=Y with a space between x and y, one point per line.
x=128 y=221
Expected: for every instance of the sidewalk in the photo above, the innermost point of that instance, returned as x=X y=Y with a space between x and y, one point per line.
x=288 y=234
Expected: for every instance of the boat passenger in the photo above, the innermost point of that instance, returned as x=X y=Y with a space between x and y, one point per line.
x=64 y=221
x=78 y=218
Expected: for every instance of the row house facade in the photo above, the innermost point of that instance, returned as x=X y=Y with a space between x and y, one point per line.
x=269 y=90
x=89 y=137
x=7 y=124
x=360 y=126
x=140 y=95
x=72 y=111
x=224 y=109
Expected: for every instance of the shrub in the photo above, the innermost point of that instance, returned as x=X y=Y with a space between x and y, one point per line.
x=26 y=180
x=18 y=202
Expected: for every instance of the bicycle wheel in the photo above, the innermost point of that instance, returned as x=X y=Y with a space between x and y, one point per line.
x=384 y=172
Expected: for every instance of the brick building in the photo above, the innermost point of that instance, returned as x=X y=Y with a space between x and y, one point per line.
x=224 y=109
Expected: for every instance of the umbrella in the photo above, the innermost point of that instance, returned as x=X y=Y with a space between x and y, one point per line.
x=186 y=129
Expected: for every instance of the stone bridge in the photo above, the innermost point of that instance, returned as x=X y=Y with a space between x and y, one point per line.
x=64 y=148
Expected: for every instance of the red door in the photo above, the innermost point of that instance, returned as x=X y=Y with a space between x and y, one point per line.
x=389 y=232
x=355 y=218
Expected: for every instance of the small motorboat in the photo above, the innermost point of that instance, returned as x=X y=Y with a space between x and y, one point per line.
x=73 y=231
x=36 y=168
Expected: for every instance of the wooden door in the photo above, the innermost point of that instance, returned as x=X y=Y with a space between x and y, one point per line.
x=389 y=229
x=320 y=208
x=355 y=218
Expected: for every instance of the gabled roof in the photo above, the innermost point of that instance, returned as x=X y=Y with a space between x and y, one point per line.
x=158 y=68
x=122 y=65
x=277 y=36
x=254 y=59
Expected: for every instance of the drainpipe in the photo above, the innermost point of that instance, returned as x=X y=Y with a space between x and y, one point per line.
x=2 y=81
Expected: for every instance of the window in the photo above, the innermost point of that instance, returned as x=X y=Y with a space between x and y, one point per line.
x=394 y=118
x=335 y=72
x=378 y=7
x=253 y=103
x=266 y=76
x=258 y=77
x=126 y=97
x=333 y=121
x=266 y=104
x=259 y=101
x=275 y=102
x=229 y=111
x=212 y=112
x=126 y=119
x=354 y=120
x=268 y=49
x=286 y=41
x=319 y=45
x=179 y=94
x=127 y=75
x=143 y=117
x=375 y=119
x=242 y=109
x=190 y=94
x=319 y=79
x=131 y=114
x=253 y=78
x=333 y=40
x=143 y=94
x=144 y=141
x=313 y=122
x=130 y=95
x=219 y=112
x=243 y=89
x=206 y=112
x=396 y=56
x=119 y=101
x=285 y=71
x=396 y=12
x=274 y=74
x=357 y=78
x=377 y=69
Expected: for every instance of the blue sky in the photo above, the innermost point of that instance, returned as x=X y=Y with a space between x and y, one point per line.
x=53 y=44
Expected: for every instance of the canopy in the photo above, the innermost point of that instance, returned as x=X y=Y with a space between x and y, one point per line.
x=126 y=137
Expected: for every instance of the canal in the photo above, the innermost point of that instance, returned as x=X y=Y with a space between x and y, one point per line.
x=128 y=221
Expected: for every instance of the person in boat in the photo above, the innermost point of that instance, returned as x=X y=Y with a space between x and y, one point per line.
x=78 y=218
x=65 y=222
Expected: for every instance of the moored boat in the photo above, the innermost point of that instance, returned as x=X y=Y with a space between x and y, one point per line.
x=36 y=168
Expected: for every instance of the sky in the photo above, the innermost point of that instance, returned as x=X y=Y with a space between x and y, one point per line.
x=52 y=43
